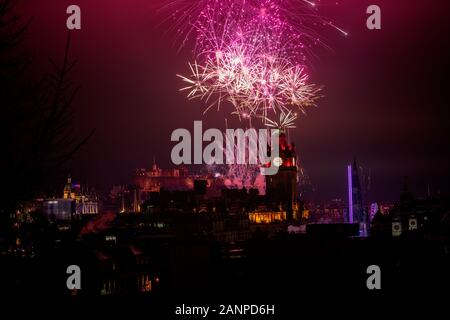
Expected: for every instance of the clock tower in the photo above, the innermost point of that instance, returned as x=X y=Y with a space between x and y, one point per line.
x=281 y=188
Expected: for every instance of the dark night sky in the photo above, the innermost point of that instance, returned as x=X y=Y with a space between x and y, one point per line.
x=386 y=92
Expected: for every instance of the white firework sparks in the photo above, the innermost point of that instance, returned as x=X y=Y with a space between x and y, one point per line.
x=254 y=83
x=286 y=121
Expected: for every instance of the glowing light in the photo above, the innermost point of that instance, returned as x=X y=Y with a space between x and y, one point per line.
x=310 y=3
x=278 y=162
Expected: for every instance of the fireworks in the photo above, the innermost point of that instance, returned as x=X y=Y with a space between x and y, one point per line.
x=286 y=121
x=238 y=176
x=211 y=21
x=253 y=84
x=251 y=54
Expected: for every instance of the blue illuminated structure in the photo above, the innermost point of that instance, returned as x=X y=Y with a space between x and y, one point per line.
x=356 y=211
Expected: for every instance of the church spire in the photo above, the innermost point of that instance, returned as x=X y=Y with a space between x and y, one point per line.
x=155 y=167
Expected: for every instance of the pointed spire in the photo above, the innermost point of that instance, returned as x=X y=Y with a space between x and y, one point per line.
x=155 y=167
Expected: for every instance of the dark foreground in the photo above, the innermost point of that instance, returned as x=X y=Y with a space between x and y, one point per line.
x=295 y=274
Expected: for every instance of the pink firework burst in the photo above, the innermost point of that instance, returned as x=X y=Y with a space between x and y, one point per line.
x=255 y=83
x=250 y=53
x=211 y=22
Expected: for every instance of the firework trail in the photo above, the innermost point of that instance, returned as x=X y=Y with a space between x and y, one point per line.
x=238 y=176
x=190 y=18
x=286 y=121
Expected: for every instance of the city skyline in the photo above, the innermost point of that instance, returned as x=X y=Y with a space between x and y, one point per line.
x=385 y=94
x=224 y=157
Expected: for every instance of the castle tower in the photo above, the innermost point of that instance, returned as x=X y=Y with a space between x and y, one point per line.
x=281 y=188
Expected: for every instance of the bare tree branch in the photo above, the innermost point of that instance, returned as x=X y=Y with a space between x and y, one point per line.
x=37 y=127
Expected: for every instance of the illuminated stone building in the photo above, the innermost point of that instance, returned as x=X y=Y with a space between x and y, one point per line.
x=267 y=216
x=74 y=202
x=155 y=179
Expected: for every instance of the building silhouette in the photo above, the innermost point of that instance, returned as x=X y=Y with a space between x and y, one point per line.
x=282 y=187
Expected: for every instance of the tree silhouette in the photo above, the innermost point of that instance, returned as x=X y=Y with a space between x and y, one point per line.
x=37 y=131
